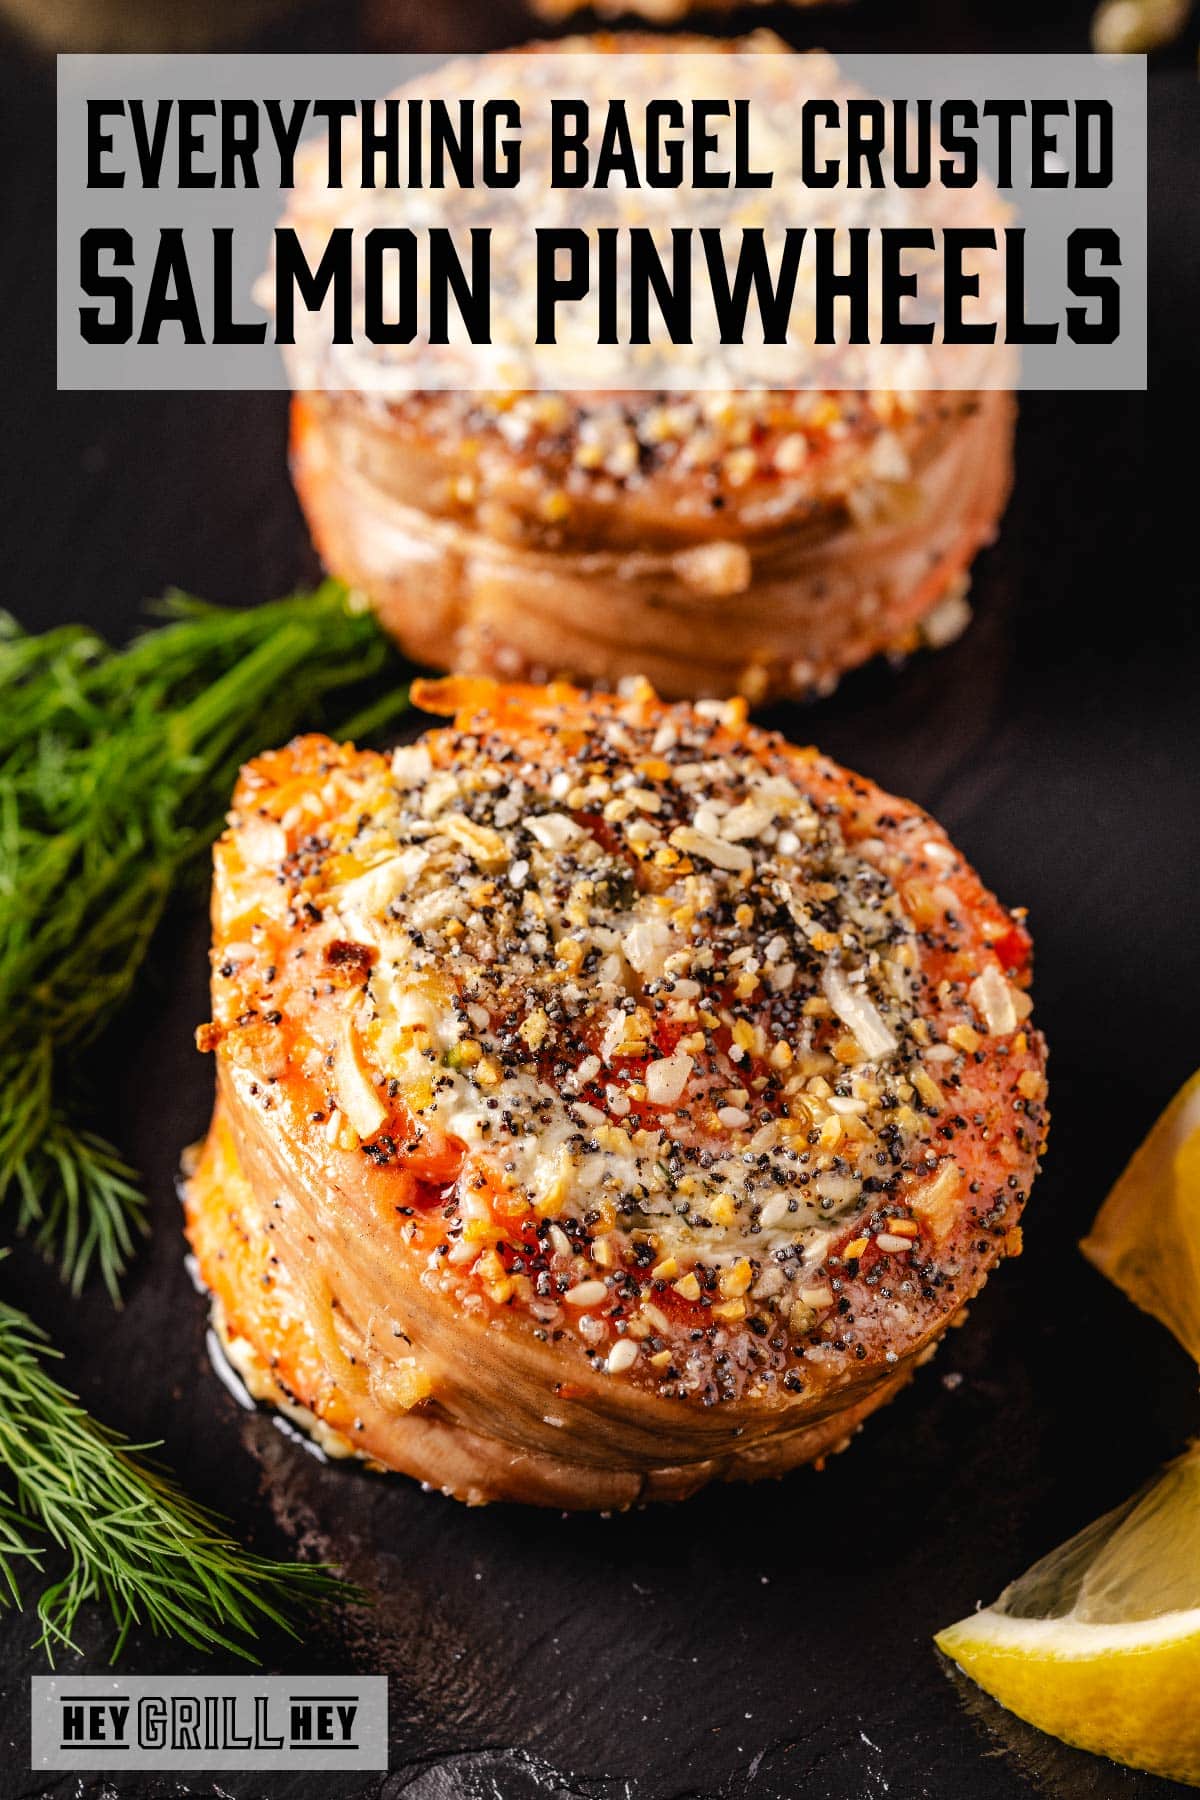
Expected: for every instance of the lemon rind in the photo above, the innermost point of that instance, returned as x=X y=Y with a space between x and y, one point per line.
x=1067 y=1639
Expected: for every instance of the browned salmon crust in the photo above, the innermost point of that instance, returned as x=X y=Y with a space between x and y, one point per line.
x=611 y=1096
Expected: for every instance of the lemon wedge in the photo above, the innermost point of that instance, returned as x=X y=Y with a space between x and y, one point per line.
x=1146 y=1237
x=1099 y=1642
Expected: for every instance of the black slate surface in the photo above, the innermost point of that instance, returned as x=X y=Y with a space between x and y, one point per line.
x=769 y=1642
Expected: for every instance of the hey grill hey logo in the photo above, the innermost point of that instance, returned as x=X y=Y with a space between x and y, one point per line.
x=209 y=1722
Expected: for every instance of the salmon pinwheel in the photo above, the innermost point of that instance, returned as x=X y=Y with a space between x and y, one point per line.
x=612 y=1097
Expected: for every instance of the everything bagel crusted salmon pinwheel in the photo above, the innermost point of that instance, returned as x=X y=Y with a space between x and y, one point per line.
x=718 y=536
x=612 y=1097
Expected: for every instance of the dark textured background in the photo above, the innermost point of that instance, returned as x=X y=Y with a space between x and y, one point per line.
x=769 y=1642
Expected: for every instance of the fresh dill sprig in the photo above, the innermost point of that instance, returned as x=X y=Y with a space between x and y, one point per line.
x=133 y=1540
x=115 y=770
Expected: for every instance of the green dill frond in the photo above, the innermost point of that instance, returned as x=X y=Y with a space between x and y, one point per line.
x=79 y=1201
x=133 y=1541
